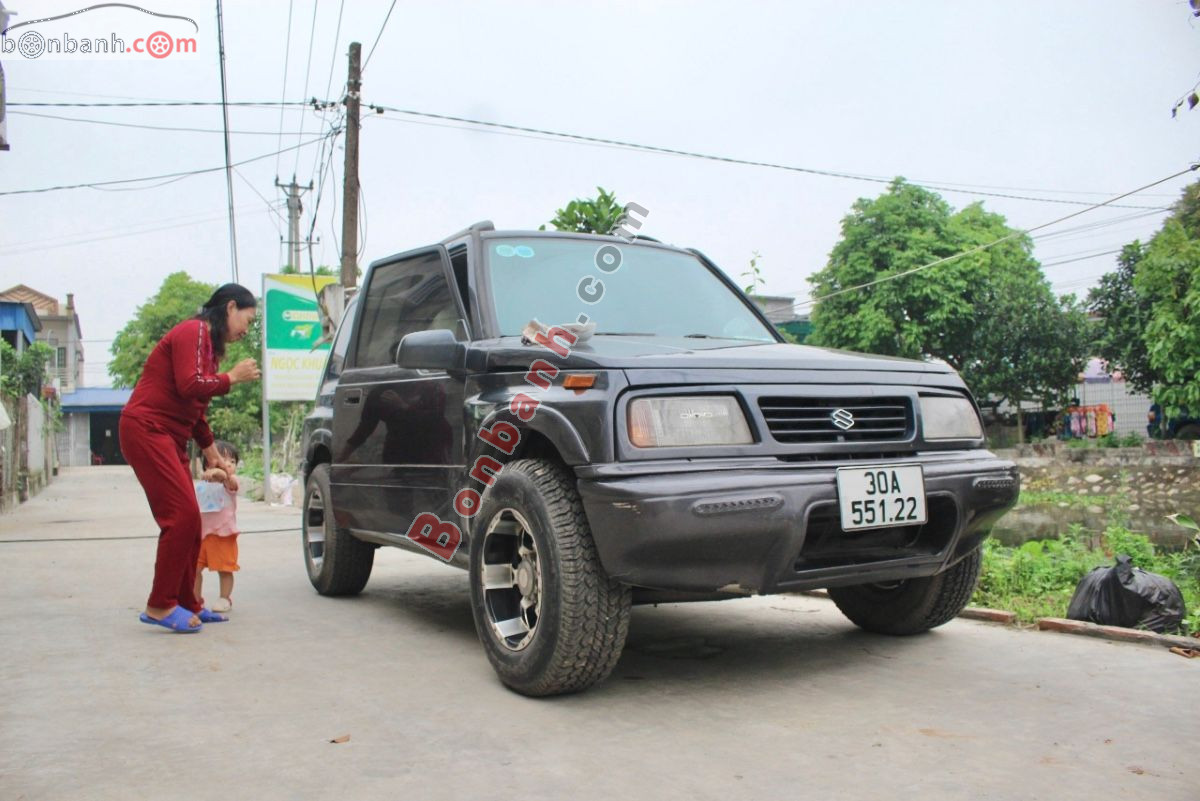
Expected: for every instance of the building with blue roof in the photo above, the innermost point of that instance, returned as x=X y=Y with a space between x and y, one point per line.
x=91 y=416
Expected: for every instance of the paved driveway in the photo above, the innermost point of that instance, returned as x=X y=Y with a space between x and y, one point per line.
x=766 y=697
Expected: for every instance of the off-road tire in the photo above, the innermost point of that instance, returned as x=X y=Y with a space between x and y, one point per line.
x=911 y=606
x=346 y=562
x=584 y=615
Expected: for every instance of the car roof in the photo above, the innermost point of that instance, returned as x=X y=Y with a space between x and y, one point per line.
x=487 y=230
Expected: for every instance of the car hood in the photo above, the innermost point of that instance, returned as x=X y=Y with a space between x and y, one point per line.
x=648 y=360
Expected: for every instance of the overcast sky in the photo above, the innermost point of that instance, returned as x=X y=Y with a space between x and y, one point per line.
x=1062 y=100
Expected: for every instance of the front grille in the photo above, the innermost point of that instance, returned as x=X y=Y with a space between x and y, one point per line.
x=802 y=420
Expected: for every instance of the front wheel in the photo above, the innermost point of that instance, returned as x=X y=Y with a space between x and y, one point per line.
x=550 y=619
x=910 y=606
x=337 y=563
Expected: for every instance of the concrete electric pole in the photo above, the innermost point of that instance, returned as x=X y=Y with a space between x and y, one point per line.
x=294 y=208
x=350 y=185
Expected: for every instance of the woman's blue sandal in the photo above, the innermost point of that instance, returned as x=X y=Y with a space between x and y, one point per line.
x=206 y=615
x=176 y=621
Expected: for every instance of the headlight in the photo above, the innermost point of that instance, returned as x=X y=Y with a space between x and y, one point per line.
x=949 y=418
x=674 y=422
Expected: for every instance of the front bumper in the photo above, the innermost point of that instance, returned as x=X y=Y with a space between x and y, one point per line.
x=765 y=526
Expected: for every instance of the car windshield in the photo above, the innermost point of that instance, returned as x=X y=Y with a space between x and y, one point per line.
x=642 y=290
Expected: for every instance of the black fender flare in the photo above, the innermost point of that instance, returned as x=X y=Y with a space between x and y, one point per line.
x=547 y=421
x=322 y=437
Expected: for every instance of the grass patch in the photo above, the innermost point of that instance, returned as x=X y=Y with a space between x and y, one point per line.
x=1071 y=499
x=1038 y=578
x=1109 y=440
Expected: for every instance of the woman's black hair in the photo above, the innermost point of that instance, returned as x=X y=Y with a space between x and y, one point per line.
x=213 y=312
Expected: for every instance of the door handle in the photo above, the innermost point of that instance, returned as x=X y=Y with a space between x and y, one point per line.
x=353 y=397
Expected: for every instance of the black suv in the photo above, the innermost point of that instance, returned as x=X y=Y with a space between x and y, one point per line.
x=587 y=422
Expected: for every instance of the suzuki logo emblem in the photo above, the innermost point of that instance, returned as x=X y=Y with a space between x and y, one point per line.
x=842 y=419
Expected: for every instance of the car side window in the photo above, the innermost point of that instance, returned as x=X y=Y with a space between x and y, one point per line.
x=405 y=296
x=341 y=342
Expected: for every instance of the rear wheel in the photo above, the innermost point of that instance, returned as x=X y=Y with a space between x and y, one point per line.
x=910 y=606
x=550 y=619
x=337 y=563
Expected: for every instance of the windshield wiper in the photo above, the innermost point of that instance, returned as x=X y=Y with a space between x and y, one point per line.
x=620 y=334
x=732 y=339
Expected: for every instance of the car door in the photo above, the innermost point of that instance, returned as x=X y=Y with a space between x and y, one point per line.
x=398 y=433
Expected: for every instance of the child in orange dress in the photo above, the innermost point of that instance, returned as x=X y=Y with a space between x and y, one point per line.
x=217 y=497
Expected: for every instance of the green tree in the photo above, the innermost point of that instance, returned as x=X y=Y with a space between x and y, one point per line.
x=1150 y=308
x=905 y=227
x=237 y=416
x=1029 y=346
x=179 y=298
x=1169 y=277
x=989 y=313
x=24 y=374
x=1122 y=316
x=323 y=269
x=598 y=215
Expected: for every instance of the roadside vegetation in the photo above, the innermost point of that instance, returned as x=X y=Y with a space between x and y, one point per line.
x=1038 y=578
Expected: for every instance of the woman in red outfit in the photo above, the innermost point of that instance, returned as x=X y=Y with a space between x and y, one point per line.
x=166 y=409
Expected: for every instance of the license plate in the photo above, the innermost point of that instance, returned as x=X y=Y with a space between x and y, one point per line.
x=878 y=497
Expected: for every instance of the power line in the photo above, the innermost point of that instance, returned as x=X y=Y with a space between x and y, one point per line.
x=22 y=248
x=725 y=159
x=312 y=32
x=233 y=249
x=61 y=237
x=173 y=176
x=333 y=58
x=1081 y=258
x=172 y=128
x=140 y=188
x=263 y=198
x=287 y=52
x=1073 y=230
x=378 y=36
x=539 y=133
x=269 y=104
x=983 y=247
x=329 y=84
x=320 y=193
x=86 y=94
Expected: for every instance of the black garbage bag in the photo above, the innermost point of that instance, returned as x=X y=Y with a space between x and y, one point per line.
x=1124 y=595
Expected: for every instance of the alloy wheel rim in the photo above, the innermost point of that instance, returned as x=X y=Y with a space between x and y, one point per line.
x=511 y=577
x=314 y=531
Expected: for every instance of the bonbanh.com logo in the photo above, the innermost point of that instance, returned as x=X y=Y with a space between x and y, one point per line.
x=106 y=30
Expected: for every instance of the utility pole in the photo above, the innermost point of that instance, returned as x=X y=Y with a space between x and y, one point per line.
x=233 y=255
x=294 y=208
x=350 y=184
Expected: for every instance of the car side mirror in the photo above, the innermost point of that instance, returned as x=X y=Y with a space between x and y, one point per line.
x=431 y=350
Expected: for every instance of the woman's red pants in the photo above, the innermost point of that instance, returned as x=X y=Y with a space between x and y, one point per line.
x=160 y=464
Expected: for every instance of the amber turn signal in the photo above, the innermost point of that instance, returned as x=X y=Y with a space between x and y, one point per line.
x=579 y=381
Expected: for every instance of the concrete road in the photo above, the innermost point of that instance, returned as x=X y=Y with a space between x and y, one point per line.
x=760 y=698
